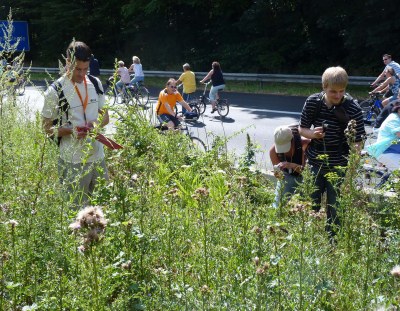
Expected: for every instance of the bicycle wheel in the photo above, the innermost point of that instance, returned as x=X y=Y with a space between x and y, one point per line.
x=20 y=88
x=195 y=108
x=118 y=96
x=201 y=104
x=368 y=111
x=223 y=107
x=142 y=96
x=198 y=144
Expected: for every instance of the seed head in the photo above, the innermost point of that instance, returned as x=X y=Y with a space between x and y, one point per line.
x=257 y=230
x=395 y=271
x=13 y=223
x=205 y=289
x=126 y=265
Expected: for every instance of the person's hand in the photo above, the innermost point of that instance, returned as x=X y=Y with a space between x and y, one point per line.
x=319 y=133
x=285 y=165
x=82 y=131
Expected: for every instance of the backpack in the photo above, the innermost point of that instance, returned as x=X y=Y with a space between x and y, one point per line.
x=63 y=105
x=320 y=102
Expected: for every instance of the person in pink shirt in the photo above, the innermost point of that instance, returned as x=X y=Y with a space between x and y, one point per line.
x=123 y=74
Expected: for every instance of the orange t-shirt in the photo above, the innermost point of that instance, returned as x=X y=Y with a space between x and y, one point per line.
x=170 y=99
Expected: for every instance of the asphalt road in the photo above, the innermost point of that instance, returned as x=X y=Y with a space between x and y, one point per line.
x=254 y=114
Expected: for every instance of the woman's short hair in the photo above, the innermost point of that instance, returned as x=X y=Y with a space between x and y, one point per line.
x=335 y=76
x=136 y=60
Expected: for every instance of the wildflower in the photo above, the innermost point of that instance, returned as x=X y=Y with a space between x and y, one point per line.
x=395 y=271
x=298 y=208
x=257 y=230
x=266 y=266
x=350 y=132
x=81 y=249
x=13 y=223
x=256 y=260
x=200 y=192
x=242 y=180
x=126 y=265
x=260 y=271
x=5 y=256
x=173 y=192
x=91 y=223
x=5 y=207
x=134 y=177
x=205 y=289
x=91 y=217
x=151 y=183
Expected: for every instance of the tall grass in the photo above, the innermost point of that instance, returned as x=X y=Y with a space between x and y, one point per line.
x=184 y=231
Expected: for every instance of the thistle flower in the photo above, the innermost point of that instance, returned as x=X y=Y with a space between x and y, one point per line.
x=200 y=193
x=395 y=271
x=173 y=192
x=90 y=222
x=205 y=289
x=126 y=265
x=13 y=223
x=257 y=230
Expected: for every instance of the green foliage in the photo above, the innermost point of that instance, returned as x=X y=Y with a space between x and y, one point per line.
x=185 y=230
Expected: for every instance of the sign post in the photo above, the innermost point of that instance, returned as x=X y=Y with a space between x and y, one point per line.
x=20 y=32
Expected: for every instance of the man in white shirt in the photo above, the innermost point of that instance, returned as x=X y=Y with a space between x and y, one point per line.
x=389 y=63
x=81 y=156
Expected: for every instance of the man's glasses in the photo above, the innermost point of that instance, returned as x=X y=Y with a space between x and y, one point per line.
x=172 y=86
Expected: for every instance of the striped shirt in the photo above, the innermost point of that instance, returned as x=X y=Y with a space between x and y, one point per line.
x=334 y=144
x=395 y=66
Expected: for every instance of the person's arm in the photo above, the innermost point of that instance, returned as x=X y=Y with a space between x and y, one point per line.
x=131 y=68
x=208 y=76
x=283 y=165
x=379 y=78
x=185 y=105
x=51 y=130
x=169 y=109
x=383 y=86
x=316 y=133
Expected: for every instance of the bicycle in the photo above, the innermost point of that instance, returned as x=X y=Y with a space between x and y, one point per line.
x=371 y=108
x=221 y=104
x=131 y=94
x=197 y=143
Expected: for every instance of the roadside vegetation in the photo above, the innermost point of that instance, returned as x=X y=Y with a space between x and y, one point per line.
x=177 y=229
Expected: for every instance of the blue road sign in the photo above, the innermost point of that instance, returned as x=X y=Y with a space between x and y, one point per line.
x=20 y=31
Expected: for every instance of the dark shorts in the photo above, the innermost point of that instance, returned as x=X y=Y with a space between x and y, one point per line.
x=165 y=118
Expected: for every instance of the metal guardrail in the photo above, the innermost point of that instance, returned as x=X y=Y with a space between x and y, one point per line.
x=353 y=80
